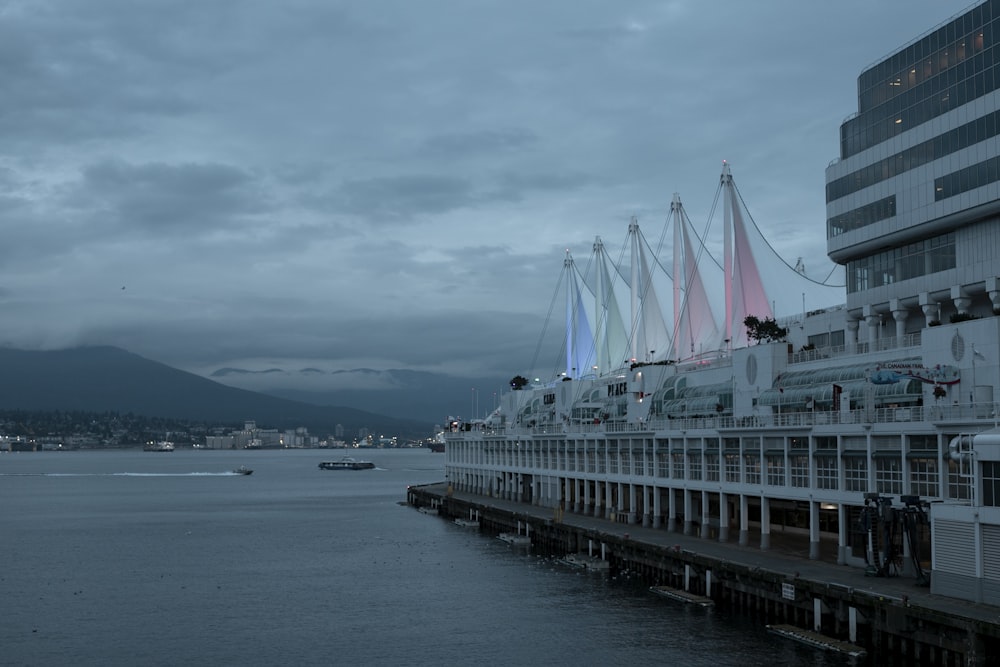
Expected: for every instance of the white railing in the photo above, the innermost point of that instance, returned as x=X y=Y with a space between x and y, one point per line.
x=975 y=412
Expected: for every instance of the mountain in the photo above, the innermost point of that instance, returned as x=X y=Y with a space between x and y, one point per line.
x=414 y=394
x=98 y=379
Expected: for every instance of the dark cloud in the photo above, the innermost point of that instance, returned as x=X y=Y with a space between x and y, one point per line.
x=165 y=197
x=395 y=198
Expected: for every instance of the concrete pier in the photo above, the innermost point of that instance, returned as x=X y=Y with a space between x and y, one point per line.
x=887 y=617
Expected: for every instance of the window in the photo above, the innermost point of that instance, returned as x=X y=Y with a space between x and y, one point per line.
x=856 y=473
x=677 y=461
x=924 y=477
x=909 y=261
x=712 y=467
x=991 y=483
x=959 y=480
x=799 y=469
x=751 y=463
x=638 y=463
x=733 y=468
x=775 y=470
x=694 y=463
x=662 y=465
x=826 y=472
x=888 y=475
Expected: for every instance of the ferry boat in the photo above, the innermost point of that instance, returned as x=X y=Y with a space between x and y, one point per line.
x=346 y=463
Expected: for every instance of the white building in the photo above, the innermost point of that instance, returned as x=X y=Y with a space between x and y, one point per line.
x=865 y=435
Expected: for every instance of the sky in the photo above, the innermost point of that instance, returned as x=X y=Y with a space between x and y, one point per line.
x=393 y=184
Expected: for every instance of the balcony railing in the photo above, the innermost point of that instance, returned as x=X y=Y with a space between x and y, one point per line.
x=975 y=412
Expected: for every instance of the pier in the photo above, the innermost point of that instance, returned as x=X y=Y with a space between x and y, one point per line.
x=834 y=607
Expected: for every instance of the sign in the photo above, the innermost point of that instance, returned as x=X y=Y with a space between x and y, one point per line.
x=892 y=372
x=788 y=591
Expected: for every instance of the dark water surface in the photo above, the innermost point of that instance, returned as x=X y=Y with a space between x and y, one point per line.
x=142 y=558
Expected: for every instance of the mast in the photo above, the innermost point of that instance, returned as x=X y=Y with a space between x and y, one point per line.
x=727 y=186
x=600 y=333
x=570 y=315
x=675 y=214
x=633 y=231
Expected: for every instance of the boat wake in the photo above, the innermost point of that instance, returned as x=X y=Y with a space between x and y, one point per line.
x=228 y=473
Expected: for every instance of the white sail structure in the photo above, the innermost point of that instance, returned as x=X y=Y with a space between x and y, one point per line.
x=612 y=344
x=762 y=283
x=651 y=332
x=602 y=335
x=696 y=327
x=580 y=347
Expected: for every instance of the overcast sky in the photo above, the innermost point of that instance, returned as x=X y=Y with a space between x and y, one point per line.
x=392 y=183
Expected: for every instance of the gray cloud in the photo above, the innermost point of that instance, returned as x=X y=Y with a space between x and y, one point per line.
x=158 y=196
x=391 y=184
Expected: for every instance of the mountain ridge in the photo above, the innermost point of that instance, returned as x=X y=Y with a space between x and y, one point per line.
x=106 y=378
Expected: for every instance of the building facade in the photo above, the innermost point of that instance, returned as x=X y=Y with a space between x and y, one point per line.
x=866 y=433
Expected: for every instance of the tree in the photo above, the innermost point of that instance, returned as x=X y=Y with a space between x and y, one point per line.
x=764 y=330
x=518 y=382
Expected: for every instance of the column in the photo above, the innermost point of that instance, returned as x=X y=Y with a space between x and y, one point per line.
x=765 y=523
x=931 y=309
x=960 y=299
x=688 y=522
x=852 y=335
x=813 y=530
x=647 y=517
x=899 y=315
x=620 y=501
x=657 y=509
x=744 y=521
x=723 y=517
x=671 y=510
x=586 y=495
x=632 y=504
x=873 y=321
x=608 y=500
x=578 y=495
x=993 y=289
x=705 y=514
x=598 y=499
x=841 y=534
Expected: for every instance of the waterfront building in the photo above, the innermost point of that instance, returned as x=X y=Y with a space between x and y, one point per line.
x=863 y=432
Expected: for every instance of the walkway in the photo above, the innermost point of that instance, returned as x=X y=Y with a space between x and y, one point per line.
x=775 y=560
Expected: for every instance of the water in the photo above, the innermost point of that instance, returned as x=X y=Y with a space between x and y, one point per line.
x=141 y=558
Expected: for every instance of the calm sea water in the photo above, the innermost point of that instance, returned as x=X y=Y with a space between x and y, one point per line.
x=136 y=558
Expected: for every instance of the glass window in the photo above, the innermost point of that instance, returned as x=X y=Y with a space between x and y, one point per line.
x=924 y=477
x=677 y=465
x=826 y=472
x=799 y=469
x=751 y=464
x=991 y=483
x=712 y=467
x=733 y=468
x=856 y=473
x=776 y=471
x=694 y=465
